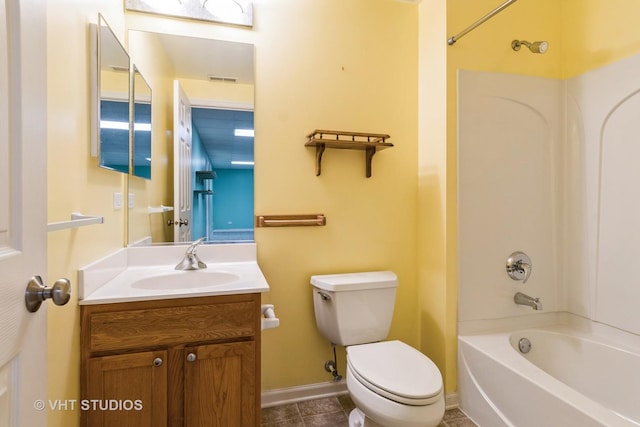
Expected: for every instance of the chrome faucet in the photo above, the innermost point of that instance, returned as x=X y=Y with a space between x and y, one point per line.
x=520 y=298
x=191 y=260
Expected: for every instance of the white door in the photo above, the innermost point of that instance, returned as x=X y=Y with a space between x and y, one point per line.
x=23 y=210
x=182 y=185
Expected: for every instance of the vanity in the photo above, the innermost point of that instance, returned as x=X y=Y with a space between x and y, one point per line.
x=185 y=352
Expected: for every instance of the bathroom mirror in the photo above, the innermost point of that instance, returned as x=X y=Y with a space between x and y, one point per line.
x=141 y=137
x=218 y=191
x=111 y=100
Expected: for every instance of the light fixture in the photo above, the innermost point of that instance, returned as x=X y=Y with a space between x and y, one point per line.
x=244 y=132
x=242 y=163
x=238 y=12
x=222 y=7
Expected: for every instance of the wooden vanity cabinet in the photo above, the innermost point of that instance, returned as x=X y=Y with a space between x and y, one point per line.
x=176 y=362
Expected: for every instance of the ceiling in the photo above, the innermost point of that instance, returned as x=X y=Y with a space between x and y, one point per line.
x=198 y=59
x=216 y=130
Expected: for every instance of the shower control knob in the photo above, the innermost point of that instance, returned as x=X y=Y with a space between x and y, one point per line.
x=519 y=266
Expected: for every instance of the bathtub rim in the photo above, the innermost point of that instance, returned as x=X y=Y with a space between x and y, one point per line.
x=586 y=328
x=499 y=331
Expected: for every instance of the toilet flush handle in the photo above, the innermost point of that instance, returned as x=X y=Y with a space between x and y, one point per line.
x=324 y=296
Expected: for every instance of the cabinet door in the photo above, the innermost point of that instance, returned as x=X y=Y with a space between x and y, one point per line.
x=220 y=385
x=127 y=390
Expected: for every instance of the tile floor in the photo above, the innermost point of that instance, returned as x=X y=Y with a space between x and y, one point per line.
x=334 y=412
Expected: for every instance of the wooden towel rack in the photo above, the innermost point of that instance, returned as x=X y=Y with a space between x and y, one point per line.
x=290 y=220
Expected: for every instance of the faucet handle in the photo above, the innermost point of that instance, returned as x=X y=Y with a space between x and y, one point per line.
x=519 y=266
x=526 y=269
x=191 y=250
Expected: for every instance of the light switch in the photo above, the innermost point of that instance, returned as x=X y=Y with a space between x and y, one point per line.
x=117 y=200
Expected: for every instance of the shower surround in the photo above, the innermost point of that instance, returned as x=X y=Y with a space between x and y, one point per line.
x=550 y=167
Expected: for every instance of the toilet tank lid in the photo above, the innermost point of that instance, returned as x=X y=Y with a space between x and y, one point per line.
x=355 y=281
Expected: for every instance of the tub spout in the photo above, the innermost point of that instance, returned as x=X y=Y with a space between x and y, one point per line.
x=520 y=298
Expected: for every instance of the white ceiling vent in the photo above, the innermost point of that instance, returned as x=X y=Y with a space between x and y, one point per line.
x=222 y=79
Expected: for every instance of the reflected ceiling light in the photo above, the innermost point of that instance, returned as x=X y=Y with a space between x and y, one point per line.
x=111 y=124
x=241 y=162
x=244 y=132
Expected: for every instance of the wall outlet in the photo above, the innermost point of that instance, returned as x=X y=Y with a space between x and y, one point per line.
x=132 y=200
x=117 y=200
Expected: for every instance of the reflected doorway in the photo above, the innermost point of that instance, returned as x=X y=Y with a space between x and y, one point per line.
x=222 y=174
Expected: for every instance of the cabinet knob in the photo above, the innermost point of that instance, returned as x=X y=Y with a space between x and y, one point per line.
x=157 y=361
x=191 y=357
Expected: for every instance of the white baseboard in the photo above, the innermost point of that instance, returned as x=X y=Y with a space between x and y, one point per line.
x=451 y=400
x=283 y=396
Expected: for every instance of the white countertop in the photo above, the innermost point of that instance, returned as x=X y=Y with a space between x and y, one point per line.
x=116 y=278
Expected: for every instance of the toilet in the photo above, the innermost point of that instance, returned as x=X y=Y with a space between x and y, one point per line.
x=391 y=383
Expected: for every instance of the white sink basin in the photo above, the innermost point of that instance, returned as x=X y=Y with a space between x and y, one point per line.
x=182 y=279
x=231 y=269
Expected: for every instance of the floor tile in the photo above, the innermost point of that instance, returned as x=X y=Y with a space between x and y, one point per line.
x=333 y=419
x=319 y=406
x=334 y=412
x=281 y=413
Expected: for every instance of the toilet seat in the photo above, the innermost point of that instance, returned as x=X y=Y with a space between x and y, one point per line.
x=396 y=371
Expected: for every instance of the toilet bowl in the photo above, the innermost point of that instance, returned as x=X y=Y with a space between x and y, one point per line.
x=391 y=383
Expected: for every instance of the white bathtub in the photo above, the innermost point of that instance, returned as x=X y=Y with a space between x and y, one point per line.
x=572 y=376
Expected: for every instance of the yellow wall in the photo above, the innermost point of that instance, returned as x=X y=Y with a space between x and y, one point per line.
x=358 y=74
x=595 y=33
x=74 y=184
x=336 y=65
x=582 y=35
x=149 y=56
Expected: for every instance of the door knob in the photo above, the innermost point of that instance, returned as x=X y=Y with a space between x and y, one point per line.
x=36 y=293
x=191 y=357
x=178 y=223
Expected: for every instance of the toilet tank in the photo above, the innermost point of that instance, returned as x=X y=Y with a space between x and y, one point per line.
x=354 y=308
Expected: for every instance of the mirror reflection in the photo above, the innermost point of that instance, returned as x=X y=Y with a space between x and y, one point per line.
x=211 y=140
x=112 y=101
x=223 y=202
x=141 y=150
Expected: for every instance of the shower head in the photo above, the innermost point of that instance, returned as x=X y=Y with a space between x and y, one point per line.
x=535 y=47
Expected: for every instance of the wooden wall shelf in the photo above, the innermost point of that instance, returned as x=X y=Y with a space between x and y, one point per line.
x=369 y=142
